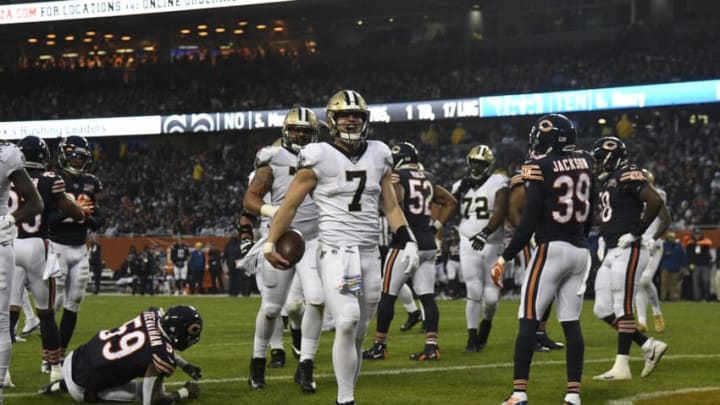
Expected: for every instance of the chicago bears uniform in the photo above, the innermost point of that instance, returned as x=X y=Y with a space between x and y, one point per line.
x=476 y=204
x=106 y=367
x=417 y=195
x=179 y=255
x=68 y=254
x=558 y=210
x=627 y=206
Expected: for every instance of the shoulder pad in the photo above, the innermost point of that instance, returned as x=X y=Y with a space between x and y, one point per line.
x=385 y=152
x=310 y=155
x=264 y=156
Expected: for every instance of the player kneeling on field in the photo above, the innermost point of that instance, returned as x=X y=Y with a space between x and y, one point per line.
x=105 y=368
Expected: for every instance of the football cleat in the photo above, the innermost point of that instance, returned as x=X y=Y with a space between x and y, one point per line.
x=615 y=374
x=540 y=348
x=545 y=340
x=296 y=342
x=641 y=327
x=56 y=372
x=430 y=353
x=7 y=382
x=413 y=319
x=659 y=323
x=277 y=358
x=304 y=376
x=45 y=367
x=515 y=401
x=378 y=351
x=256 y=380
x=473 y=342
x=53 y=388
x=656 y=349
x=30 y=327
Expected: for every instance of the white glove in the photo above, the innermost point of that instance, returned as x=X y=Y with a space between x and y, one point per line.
x=8 y=230
x=626 y=240
x=409 y=257
x=268 y=210
x=601 y=248
x=649 y=244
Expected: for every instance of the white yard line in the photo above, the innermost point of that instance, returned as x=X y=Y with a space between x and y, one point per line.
x=658 y=394
x=365 y=372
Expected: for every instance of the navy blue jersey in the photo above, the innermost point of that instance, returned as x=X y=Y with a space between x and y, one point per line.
x=48 y=185
x=68 y=231
x=116 y=356
x=558 y=200
x=179 y=254
x=419 y=193
x=619 y=203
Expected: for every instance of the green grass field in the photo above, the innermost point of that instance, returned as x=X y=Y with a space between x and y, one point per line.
x=458 y=378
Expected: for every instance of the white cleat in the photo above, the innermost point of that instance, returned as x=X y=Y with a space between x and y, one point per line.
x=656 y=349
x=7 y=382
x=30 y=327
x=615 y=374
x=56 y=372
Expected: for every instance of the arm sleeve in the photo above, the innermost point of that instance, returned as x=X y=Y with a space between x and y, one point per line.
x=528 y=222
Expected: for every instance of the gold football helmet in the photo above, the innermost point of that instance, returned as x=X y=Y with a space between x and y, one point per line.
x=304 y=125
x=480 y=161
x=649 y=176
x=347 y=101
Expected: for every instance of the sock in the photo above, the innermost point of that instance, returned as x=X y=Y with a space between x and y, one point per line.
x=50 y=337
x=524 y=350
x=14 y=317
x=385 y=313
x=67 y=327
x=574 y=354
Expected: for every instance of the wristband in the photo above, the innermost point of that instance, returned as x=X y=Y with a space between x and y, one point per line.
x=436 y=225
x=246 y=229
x=268 y=247
x=183 y=393
x=501 y=261
x=248 y=215
x=268 y=210
x=403 y=235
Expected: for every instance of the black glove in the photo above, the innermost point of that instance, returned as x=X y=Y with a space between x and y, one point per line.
x=193 y=389
x=479 y=240
x=245 y=245
x=193 y=371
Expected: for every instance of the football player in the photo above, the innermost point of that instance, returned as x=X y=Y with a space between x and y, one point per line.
x=628 y=204
x=179 y=255
x=30 y=246
x=515 y=207
x=416 y=194
x=104 y=368
x=13 y=171
x=558 y=210
x=652 y=239
x=275 y=168
x=68 y=257
x=350 y=178
x=483 y=200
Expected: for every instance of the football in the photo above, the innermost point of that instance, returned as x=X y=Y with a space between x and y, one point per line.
x=291 y=246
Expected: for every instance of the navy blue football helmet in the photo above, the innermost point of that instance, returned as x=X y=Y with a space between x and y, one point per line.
x=36 y=152
x=182 y=325
x=552 y=133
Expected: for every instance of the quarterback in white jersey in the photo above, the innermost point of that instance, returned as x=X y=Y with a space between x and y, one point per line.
x=483 y=200
x=275 y=167
x=12 y=170
x=350 y=180
x=654 y=244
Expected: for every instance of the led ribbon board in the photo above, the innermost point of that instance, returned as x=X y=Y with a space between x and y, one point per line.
x=629 y=97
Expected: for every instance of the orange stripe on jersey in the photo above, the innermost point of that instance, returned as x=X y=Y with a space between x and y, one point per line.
x=388 y=269
x=630 y=278
x=635 y=175
x=533 y=281
x=516 y=180
x=162 y=366
x=531 y=172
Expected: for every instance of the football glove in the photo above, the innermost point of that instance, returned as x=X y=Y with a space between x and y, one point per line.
x=409 y=257
x=626 y=240
x=649 y=244
x=479 y=240
x=497 y=271
x=193 y=371
x=601 y=249
x=193 y=389
x=245 y=245
x=438 y=250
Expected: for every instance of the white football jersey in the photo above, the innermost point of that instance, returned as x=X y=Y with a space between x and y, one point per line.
x=264 y=221
x=347 y=191
x=650 y=231
x=477 y=206
x=284 y=166
x=11 y=159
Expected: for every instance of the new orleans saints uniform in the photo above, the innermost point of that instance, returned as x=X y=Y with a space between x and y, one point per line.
x=476 y=195
x=627 y=206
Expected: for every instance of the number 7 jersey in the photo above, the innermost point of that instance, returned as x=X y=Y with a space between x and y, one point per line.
x=347 y=191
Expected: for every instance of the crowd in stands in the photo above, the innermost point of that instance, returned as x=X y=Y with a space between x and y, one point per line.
x=134 y=85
